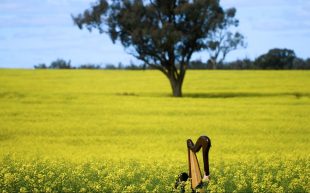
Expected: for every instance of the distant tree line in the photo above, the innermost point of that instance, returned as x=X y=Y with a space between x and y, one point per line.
x=57 y=64
x=63 y=64
x=273 y=59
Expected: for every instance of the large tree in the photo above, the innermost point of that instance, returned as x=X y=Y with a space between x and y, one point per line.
x=164 y=34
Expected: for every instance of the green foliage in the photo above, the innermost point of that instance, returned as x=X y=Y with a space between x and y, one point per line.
x=57 y=64
x=89 y=66
x=60 y=64
x=40 y=66
x=109 y=131
x=276 y=59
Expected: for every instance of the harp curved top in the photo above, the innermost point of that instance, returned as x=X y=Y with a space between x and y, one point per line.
x=203 y=143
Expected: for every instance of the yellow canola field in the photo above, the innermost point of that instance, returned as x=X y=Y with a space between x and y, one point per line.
x=121 y=131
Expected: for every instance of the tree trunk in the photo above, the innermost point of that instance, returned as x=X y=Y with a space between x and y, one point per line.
x=176 y=85
x=214 y=66
x=213 y=62
x=175 y=77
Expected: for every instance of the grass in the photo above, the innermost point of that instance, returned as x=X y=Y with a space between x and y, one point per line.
x=104 y=131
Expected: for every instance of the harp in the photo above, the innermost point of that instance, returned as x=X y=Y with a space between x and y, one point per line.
x=203 y=143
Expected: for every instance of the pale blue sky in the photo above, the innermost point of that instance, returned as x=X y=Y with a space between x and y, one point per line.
x=40 y=31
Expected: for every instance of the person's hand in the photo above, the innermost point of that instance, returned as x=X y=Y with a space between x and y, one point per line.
x=206 y=178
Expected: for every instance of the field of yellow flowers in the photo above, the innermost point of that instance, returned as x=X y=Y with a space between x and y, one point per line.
x=121 y=131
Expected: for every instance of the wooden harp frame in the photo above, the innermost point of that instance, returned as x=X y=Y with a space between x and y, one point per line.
x=203 y=143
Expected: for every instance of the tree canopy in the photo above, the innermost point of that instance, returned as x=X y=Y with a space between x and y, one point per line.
x=276 y=59
x=163 y=34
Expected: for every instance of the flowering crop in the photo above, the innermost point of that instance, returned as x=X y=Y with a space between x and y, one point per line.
x=120 y=131
x=272 y=175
